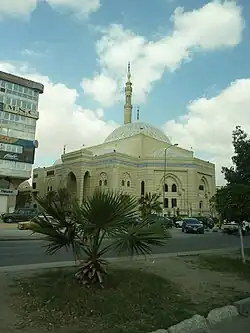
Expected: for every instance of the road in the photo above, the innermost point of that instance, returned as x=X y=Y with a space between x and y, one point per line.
x=23 y=252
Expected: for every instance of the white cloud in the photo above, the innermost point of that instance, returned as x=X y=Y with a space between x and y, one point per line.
x=216 y=25
x=62 y=121
x=105 y=97
x=16 y=8
x=32 y=53
x=23 y=8
x=81 y=7
x=209 y=122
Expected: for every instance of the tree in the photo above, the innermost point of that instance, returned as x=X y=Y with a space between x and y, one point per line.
x=239 y=173
x=103 y=215
x=232 y=202
x=149 y=204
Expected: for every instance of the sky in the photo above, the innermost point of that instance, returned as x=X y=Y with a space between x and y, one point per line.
x=189 y=63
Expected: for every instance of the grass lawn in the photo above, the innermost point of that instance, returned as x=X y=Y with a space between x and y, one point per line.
x=247 y=251
x=139 y=296
x=225 y=264
x=132 y=301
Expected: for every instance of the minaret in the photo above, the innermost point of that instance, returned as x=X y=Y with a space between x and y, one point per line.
x=128 y=99
x=138 y=113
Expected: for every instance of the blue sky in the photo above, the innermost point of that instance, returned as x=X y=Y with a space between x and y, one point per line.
x=201 y=51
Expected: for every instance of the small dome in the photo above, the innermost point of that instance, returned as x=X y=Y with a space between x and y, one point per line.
x=58 y=162
x=24 y=185
x=132 y=129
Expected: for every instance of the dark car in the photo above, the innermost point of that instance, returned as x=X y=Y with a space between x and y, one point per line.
x=192 y=225
x=19 y=215
x=163 y=220
x=207 y=221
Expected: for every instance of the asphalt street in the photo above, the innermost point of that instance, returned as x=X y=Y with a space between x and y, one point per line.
x=16 y=252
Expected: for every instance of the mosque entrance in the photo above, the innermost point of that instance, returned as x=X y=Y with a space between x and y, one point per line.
x=72 y=184
x=86 y=185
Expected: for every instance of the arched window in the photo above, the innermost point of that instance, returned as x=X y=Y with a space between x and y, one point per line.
x=201 y=187
x=128 y=183
x=174 y=202
x=166 y=187
x=105 y=182
x=174 y=188
x=123 y=182
x=142 y=188
x=100 y=183
x=50 y=188
x=165 y=202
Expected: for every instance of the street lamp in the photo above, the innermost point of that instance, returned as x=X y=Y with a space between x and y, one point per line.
x=165 y=169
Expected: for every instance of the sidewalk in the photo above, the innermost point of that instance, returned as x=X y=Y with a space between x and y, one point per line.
x=10 y=232
x=8 y=226
x=235 y=325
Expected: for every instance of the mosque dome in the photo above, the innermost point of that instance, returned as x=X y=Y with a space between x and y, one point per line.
x=58 y=162
x=132 y=129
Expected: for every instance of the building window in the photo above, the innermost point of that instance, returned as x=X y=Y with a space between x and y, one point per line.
x=105 y=182
x=201 y=205
x=17 y=134
x=35 y=175
x=11 y=148
x=123 y=182
x=100 y=183
x=142 y=188
x=34 y=186
x=51 y=173
x=201 y=188
x=174 y=202
x=165 y=202
x=166 y=187
x=174 y=188
x=128 y=183
x=49 y=189
x=6 y=164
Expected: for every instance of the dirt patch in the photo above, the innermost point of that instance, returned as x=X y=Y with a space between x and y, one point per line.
x=201 y=284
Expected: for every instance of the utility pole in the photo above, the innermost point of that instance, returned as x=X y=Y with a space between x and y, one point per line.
x=165 y=172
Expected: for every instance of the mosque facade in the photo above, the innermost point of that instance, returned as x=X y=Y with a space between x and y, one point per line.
x=136 y=158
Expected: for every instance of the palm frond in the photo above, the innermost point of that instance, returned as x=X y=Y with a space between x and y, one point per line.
x=59 y=229
x=107 y=211
x=139 y=239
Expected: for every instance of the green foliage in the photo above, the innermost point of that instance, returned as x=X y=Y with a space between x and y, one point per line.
x=103 y=215
x=239 y=173
x=233 y=202
x=149 y=204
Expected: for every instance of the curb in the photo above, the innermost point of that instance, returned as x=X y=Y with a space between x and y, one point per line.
x=61 y=264
x=18 y=239
x=200 y=324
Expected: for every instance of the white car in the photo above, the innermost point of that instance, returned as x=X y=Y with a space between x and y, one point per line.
x=178 y=224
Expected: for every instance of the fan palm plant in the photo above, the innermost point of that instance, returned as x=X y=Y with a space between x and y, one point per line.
x=149 y=204
x=103 y=215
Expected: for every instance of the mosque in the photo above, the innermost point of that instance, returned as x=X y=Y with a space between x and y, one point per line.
x=136 y=158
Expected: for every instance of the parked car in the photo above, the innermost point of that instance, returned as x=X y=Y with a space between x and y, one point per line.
x=178 y=224
x=19 y=215
x=26 y=225
x=207 y=221
x=163 y=220
x=233 y=228
x=192 y=225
